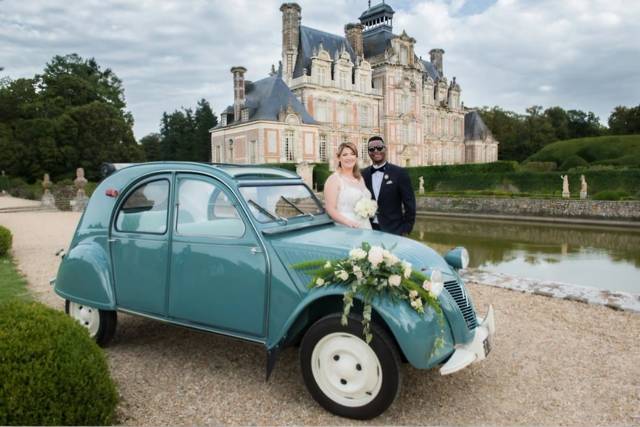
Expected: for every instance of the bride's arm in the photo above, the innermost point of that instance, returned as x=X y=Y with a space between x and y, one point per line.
x=331 y=189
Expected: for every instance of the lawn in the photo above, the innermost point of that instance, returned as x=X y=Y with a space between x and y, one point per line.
x=12 y=284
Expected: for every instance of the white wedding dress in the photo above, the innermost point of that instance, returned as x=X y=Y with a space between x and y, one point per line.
x=350 y=193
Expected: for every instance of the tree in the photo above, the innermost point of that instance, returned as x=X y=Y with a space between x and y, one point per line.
x=624 y=120
x=73 y=115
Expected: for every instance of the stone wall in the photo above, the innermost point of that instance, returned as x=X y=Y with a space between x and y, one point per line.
x=552 y=208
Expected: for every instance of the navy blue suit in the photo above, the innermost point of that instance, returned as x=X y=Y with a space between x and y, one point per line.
x=396 y=200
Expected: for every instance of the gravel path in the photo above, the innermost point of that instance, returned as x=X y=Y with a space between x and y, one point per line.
x=555 y=362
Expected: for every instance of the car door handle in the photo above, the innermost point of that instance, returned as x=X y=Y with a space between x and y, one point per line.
x=255 y=250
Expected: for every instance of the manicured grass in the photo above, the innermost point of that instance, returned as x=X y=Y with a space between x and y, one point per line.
x=12 y=284
x=616 y=150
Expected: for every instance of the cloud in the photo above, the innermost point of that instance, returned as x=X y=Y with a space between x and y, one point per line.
x=513 y=53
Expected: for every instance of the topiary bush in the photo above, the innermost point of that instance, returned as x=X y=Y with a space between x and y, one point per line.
x=538 y=166
x=573 y=162
x=52 y=372
x=6 y=239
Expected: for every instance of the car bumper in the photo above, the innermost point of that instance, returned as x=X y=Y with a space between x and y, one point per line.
x=476 y=350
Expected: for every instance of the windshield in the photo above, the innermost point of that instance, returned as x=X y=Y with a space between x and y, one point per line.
x=276 y=202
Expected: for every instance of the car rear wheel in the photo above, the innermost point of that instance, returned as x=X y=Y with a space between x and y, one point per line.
x=101 y=324
x=344 y=374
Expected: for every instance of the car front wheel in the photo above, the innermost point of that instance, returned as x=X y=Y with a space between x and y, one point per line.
x=101 y=324
x=344 y=374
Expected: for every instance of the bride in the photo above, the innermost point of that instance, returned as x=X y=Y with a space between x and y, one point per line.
x=345 y=188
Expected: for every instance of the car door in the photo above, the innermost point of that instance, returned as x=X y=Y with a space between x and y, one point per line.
x=139 y=245
x=218 y=267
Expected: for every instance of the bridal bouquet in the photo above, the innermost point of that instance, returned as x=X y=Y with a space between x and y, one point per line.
x=373 y=271
x=366 y=208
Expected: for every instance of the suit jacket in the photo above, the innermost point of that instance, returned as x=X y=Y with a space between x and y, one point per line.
x=396 y=201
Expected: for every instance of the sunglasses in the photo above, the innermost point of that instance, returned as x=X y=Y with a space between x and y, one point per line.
x=376 y=148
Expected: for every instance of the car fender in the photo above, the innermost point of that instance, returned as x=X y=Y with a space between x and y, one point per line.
x=415 y=333
x=84 y=276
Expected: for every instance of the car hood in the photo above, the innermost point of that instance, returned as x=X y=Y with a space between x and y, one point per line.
x=332 y=242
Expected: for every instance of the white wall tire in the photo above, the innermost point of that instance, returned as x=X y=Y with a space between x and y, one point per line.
x=344 y=374
x=101 y=324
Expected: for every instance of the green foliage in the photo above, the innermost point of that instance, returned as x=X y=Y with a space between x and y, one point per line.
x=538 y=166
x=612 y=150
x=612 y=195
x=320 y=174
x=6 y=239
x=184 y=135
x=72 y=115
x=52 y=372
x=573 y=162
x=521 y=135
x=12 y=284
x=625 y=120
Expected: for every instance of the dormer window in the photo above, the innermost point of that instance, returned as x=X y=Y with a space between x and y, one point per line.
x=244 y=115
x=224 y=120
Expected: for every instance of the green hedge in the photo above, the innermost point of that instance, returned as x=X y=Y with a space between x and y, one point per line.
x=6 y=239
x=51 y=371
x=437 y=179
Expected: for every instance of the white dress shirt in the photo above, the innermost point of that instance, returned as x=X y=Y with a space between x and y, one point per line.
x=376 y=184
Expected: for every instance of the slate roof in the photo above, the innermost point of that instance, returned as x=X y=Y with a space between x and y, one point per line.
x=267 y=97
x=310 y=38
x=474 y=127
x=379 y=9
x=376 y=41
x=431 y=70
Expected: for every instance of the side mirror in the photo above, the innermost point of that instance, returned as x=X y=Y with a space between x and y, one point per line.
x=457 y=258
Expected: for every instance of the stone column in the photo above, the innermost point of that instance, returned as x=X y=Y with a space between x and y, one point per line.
x=48 y=201
x=305 y=170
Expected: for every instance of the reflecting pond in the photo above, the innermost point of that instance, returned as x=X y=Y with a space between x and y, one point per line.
x=606 y=258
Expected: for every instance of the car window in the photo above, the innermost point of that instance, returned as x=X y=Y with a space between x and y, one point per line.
x=145 y=209
x=204 y=209
x=283 y=201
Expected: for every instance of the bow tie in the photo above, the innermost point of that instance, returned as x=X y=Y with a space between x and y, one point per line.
x=382 y=168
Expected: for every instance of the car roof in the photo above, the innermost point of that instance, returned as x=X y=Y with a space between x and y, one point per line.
x=233 y=171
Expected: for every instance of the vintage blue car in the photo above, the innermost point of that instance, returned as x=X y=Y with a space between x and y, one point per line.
x=211 y=247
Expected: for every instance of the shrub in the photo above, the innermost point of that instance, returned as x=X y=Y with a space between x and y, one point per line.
x=573 y=162
x=538 y=166
x=6 y=239
x=320 y=174
x=4 y=183
x=52 y=372
x=612 y=195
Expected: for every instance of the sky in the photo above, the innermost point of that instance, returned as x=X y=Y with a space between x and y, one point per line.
x=578 y=54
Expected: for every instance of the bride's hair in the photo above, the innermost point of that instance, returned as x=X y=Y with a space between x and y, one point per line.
x=351 y=146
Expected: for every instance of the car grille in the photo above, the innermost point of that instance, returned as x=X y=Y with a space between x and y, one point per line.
x=456 y=292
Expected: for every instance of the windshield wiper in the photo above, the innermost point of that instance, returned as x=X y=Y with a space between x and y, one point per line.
x=266 y=212
x=294 y=206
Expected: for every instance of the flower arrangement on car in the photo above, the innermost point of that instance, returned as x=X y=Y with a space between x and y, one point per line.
x=366 y=208
x=372 y=271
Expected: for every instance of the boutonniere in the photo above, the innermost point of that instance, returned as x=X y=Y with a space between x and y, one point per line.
x=386 y=177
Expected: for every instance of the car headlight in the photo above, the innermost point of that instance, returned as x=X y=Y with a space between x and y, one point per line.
x=457 y=258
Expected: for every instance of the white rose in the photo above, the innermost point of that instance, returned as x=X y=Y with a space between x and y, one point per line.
x=413 y=294
x=394 y=280
x=358 y=274
x=426 y=285
x=343 y=275
x=356 y=268
x=436 y=288
x=357 y=254
x=375 y=256
x=406 y=267
x=327 y=265
x=416 y=304
x=319 y=281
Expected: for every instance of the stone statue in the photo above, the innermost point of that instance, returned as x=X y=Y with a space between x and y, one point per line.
x=565 y=186
x=583 y=187
x=421 y=185
x=3 y=192
x=47 y=201
x=80 y=202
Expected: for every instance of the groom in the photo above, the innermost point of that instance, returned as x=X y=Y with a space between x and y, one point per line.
x=391 y=188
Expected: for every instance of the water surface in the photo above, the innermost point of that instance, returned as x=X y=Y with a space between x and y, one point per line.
x=605 y=258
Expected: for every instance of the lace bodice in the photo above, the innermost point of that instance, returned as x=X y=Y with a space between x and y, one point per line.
x=349 y=193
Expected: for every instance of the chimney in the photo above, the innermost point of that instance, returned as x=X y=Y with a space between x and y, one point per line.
x=291 y=16
x=436 y=59
x=353 y=32
x=238 y=91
